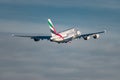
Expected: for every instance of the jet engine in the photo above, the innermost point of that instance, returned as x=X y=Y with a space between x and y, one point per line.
x=86 y=37
x=36 y=39
x=96 y=36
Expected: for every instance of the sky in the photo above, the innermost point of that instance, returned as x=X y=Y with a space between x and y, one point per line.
x=24 y=59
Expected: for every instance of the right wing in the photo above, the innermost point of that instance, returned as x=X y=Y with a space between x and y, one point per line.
x=95 y=35
x=35 y=38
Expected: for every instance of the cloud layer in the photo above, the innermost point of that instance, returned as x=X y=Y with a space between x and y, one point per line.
x=24 y=59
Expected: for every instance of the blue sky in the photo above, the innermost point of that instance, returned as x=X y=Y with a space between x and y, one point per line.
x=23 y=59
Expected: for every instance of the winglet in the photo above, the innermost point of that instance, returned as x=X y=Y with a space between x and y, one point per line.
x=105 y=31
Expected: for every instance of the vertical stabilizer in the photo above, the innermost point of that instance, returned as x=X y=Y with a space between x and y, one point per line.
x=53 y=30
x=51 y=26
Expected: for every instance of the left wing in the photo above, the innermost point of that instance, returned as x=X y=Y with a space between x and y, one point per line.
x=95 y=35
x=35 y=38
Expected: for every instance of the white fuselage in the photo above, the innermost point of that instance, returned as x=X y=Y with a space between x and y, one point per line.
x=67 y=35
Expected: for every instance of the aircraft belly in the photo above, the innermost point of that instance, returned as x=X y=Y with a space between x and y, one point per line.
x=57 y=40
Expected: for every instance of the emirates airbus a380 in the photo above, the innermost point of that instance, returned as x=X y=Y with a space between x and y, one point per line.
x=64 y=36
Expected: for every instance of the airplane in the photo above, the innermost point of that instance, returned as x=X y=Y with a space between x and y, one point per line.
x=64 y=36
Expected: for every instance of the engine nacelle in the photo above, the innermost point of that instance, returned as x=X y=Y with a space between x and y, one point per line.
x=86 y=37
x=96 y=36
x=36 y=39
